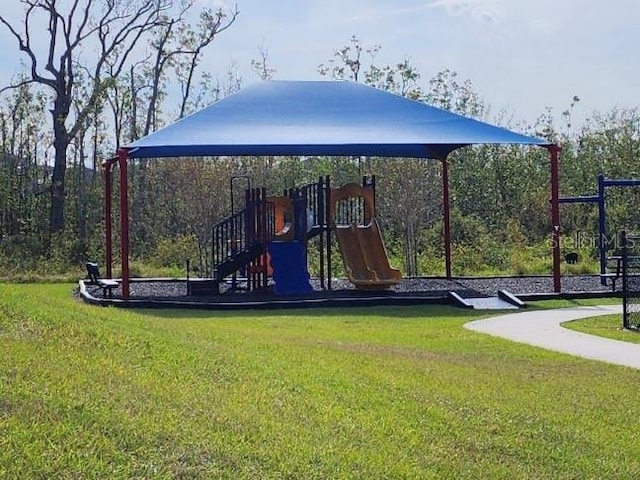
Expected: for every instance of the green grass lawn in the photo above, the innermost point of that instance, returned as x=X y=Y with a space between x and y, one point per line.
x=580 y=302
x=609 y=326
x=89 y=392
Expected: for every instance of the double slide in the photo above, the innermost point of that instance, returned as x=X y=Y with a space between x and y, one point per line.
x=363 y=252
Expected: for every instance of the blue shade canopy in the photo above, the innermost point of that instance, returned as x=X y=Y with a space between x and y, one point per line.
x=320 y=118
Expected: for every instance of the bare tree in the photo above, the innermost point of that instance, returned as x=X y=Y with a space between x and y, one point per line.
x=123 y=98
x=262 y=67
x=109 y=29
x=210 y=24
x=180 y=45
x=347 y=61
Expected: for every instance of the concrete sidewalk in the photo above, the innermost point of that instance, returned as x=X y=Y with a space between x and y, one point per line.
x=542 y=328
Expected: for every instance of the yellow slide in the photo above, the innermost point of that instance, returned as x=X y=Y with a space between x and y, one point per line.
x=365 y=257
x=363 y=253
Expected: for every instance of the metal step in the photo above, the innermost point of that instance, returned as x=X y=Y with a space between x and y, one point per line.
x=236 y=262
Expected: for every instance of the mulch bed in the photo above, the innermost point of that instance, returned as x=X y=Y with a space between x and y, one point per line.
x=423 y=287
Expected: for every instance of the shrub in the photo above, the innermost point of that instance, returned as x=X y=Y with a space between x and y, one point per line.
x=174 y=252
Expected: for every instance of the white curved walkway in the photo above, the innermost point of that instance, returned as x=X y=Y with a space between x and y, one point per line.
x=541 y=328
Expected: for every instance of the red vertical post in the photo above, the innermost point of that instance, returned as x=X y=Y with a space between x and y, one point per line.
x=108 y=218
x=328 y=219
x=124 y=222
x=446 y=208
x=554 y=151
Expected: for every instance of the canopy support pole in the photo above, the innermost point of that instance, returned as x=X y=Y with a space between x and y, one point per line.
x=446 y=208
x=108 y=191
x=554 y=151
x=327 y=222
x=124 y=222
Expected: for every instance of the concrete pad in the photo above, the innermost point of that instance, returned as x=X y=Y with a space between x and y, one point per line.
x=541 y=328
x=490 y=303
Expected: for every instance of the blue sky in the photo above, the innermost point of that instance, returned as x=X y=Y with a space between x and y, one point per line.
x=521 y=55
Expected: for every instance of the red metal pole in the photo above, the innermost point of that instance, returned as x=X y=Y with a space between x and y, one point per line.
x=124 y=222
x=108 y=218
x=327 y=224
x=446 y=207
x=554 y=151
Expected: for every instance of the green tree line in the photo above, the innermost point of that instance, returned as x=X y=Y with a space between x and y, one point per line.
x=500 y=195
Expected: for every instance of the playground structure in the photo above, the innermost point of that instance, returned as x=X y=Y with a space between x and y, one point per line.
x=268 y=238
x=318 y=118
x=282 y=227
x=603 y=240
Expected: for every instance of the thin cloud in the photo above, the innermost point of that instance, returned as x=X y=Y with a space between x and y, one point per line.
x=543 y=27
x=392 y=13
x=216 y=4
x=485 y=11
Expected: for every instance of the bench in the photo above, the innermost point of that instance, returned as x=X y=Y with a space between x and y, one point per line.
x=614 y=268
x=93 y=274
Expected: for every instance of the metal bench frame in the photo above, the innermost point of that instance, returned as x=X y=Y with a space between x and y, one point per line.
x=93 y=275
x=615 y=272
